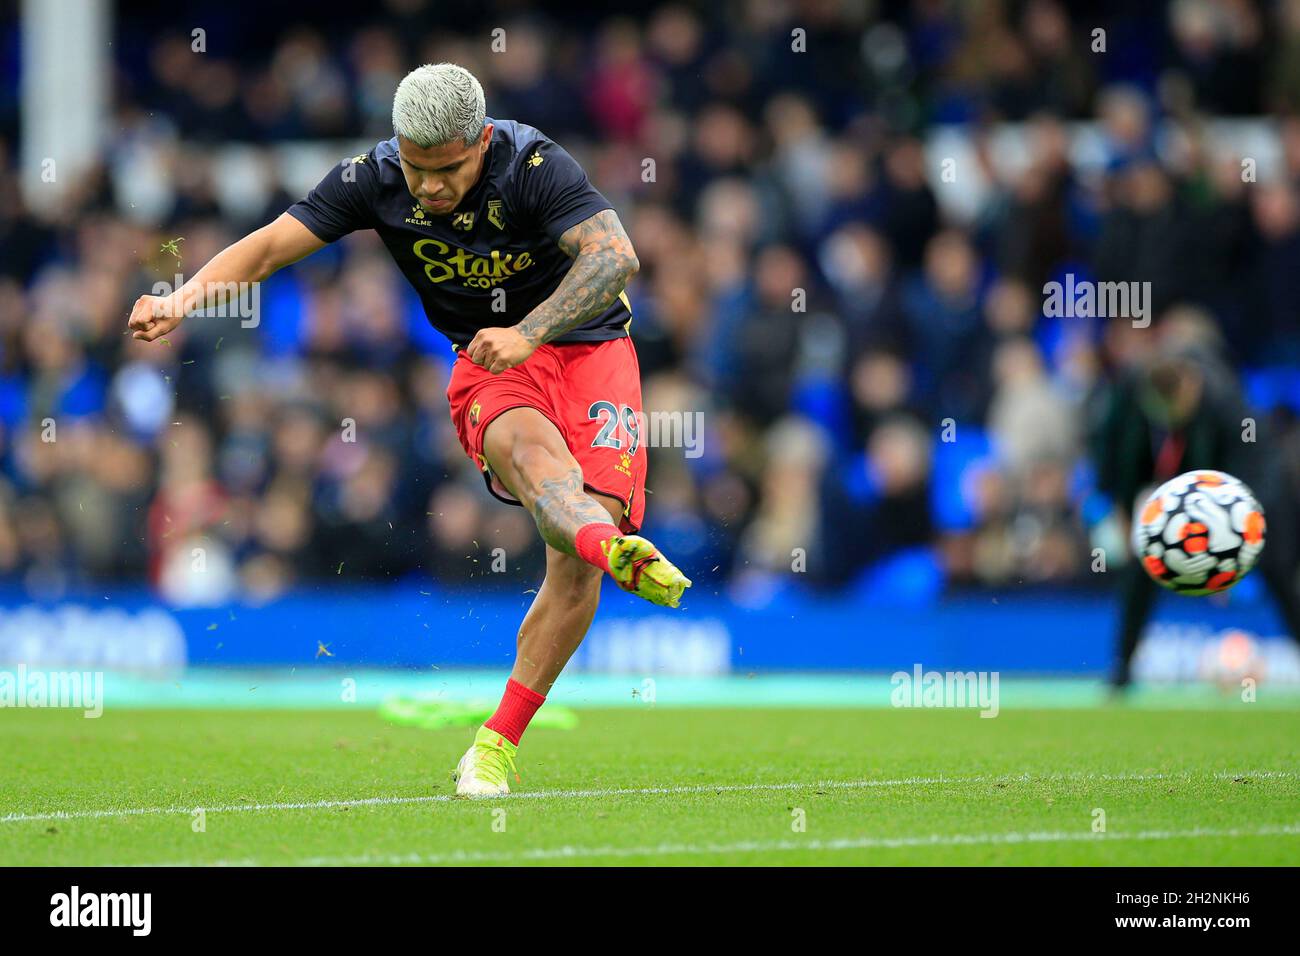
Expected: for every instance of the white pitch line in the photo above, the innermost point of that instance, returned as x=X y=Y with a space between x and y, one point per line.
x=43 y=816
x=543 y=854
x=525 y=795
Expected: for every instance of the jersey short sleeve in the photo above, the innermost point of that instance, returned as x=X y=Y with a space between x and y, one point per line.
x=341 y=201
x=552 y=191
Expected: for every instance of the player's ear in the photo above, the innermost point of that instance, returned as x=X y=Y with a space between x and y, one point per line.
x=486 y=138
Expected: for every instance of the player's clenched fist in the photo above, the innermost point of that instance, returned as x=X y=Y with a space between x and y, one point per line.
x=150 y=317
x=498 y=349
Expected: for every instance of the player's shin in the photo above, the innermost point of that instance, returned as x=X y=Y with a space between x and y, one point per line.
x=570 y=520
x=551 y=631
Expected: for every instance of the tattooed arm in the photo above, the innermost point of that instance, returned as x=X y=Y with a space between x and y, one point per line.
x=603 y=262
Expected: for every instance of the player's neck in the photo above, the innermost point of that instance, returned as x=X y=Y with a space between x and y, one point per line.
x=486 y=158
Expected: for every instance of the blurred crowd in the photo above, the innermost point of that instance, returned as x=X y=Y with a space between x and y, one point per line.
x=885 y=403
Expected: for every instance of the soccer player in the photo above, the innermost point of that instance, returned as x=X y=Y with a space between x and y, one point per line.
x=522 y=264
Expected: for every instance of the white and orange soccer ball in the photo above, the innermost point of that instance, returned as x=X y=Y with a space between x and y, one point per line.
x=1199 y=533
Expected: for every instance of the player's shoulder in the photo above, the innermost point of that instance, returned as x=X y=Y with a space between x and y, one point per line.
x=518 y=140
x=527 y=149
x=381 y=163
x=375 y=169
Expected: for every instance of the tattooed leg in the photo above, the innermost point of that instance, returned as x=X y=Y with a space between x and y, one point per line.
x=527 y=453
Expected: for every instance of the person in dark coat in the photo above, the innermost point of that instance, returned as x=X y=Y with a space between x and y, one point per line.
x=1181 y=411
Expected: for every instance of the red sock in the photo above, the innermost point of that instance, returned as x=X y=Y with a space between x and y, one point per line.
x=518 y=704
x=587 y=542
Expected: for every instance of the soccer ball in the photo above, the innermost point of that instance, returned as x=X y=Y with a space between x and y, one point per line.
x=1199 y=533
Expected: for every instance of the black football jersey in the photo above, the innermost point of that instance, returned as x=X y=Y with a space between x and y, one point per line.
x=498 y=248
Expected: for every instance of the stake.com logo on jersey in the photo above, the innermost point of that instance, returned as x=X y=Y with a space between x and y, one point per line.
x=103 y=909
x=482 y=272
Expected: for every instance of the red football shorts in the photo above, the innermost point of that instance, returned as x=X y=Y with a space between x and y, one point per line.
x=590 y=391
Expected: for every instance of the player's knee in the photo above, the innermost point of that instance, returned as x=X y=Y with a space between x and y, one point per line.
x=535 y=462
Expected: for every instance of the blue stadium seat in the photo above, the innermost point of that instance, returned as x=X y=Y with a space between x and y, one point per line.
x=913 y=577
x=1267 y=388
x=13 y=400
x=283 y=315
x=949 y=501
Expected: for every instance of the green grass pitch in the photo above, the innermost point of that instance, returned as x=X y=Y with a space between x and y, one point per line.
x=657 y=786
